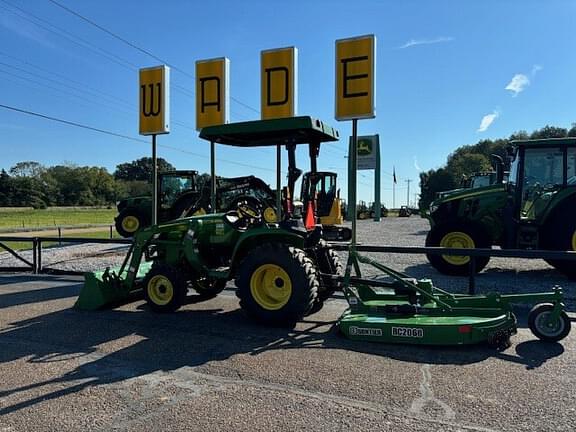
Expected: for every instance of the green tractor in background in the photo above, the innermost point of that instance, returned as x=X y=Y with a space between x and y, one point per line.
x=182 y=194
x=282 y=270
x=535 y=209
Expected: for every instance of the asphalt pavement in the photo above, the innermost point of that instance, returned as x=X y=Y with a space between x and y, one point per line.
x=208 y=368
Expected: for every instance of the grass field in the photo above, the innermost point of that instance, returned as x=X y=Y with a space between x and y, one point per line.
x=28 y=219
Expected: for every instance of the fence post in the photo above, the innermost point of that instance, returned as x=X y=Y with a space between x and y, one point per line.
x=34 y=256
x=110 y=231
x=39 y=251
x=472 y=278
x=59 y=236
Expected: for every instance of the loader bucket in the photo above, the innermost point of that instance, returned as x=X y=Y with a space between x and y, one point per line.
x=106 y=288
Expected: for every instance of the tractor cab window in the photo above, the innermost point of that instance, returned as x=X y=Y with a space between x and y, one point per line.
x=172 y=187
x=572 y=166
x=543 y=177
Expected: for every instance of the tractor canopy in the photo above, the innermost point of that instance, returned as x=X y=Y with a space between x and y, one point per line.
x=293 y=130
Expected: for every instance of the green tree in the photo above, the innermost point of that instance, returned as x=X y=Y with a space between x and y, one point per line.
x=140 y=169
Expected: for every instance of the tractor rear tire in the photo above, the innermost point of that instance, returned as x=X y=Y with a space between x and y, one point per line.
x=129 y=221
x=560 y=235
x=457 y=236
x=208 y=288
x=277 y=284
x=329 y=263
x=165 y=288
x=537 y=323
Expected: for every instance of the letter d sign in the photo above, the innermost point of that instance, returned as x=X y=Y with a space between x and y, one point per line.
x=278 y=77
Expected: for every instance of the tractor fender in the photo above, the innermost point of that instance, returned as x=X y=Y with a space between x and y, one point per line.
x=257 y=237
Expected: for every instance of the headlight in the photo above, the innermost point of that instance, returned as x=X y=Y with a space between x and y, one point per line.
x=433 y=207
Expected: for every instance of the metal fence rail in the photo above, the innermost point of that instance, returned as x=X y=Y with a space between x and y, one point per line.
x=36 y=265
x=472 y=253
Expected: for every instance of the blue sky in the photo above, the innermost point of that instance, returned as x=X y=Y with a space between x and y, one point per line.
x=448 y=73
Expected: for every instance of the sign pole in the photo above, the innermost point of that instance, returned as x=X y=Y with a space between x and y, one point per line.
x=213 y=176
x=278 y=183
x=353 y=174
x=377 y=204
x=154 y=182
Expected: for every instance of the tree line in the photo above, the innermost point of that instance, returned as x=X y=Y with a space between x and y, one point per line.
x=31 y=184
x=469 y=159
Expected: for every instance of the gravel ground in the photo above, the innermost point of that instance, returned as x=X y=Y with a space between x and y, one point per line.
x=506 y=275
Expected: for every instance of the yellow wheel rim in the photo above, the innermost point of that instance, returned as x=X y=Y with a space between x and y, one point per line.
x=271 y=286
x=457 y=239
x=270 y=215
x=130 y=224
x=574 y=241
x=160 y=290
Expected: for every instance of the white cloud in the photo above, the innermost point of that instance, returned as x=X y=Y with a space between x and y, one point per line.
x=487 y=120
x=416 y=164
x=416 y=42
x=518 y=84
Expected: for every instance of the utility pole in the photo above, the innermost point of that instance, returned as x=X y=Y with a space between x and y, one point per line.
x=408 y=194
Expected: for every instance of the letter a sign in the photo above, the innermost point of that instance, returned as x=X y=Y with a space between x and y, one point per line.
x=154 y=100
x=355 y=78
x=212 y=92
x=278 y=76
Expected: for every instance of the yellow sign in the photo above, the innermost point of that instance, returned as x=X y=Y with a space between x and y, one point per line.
x=279 y=82
x=355 y=78
x=155 y=100
x=212 y=92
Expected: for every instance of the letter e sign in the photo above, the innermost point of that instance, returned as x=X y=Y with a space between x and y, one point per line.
x=355 y=78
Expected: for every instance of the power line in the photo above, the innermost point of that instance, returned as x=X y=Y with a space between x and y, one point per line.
x=103 y=131
x=71 y=123
x=136 y=47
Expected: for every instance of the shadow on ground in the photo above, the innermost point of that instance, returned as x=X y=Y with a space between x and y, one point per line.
x=142 y=342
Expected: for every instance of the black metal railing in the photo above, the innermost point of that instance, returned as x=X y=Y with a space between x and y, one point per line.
x=35 y=266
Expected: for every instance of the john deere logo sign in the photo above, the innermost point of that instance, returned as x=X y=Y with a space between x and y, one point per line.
x=368 y=152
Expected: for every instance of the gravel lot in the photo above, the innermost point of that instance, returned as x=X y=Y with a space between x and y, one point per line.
x=207 y=368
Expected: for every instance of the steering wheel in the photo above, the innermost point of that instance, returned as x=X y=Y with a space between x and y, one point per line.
x=244 y=216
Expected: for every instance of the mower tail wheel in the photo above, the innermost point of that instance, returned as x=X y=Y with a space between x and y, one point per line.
x=277 y=284
x=553 y=331
x=165 y=288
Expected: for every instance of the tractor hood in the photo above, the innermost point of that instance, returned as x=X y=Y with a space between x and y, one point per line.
x=450 y=205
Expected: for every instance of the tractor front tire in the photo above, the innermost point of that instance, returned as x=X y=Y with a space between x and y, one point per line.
x=329 y=263
x=552 y=332
x=129 y=221
x=277 y=284
x=165 y=288
x=456 y=236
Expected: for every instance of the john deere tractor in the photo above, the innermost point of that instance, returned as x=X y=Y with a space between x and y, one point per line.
x=181 y=194
x=282 y=271
x=535 y=209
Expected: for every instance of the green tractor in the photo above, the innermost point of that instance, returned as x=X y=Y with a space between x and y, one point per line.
x=535 y=209
x=282 y=271
x=181 y=194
